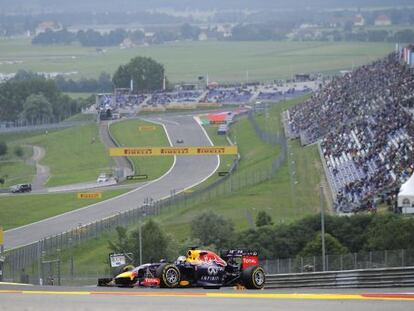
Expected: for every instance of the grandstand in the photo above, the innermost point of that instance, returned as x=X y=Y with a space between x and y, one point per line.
x=365 y=131
x=123 y=101
x=162 y=98
x=229 y=95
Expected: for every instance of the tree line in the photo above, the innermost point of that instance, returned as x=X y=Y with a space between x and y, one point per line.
x=301 y=238
x=115 y=37
x=146 y=73
x=86 y=38
x=362 y=35
x=274 y=31
x=103 y=84
x=35 y=99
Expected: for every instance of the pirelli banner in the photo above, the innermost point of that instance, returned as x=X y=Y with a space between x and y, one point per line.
x=168 y=151
x=90 y=195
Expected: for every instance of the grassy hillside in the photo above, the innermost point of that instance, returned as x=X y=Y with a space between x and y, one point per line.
x=74 y=155
x=13 y=168
x=185 y=61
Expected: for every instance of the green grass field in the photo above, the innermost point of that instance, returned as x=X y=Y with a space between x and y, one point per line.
x=18 y=210
x=128 y=134
x=15 y=169
x=225 y=160
x=72 y=156
x=185 y=61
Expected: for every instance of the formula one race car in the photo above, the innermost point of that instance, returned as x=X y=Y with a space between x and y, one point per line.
x=200 y=268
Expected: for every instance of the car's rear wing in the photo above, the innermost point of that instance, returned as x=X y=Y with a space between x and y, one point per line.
x=237 y=253
x=249 y=258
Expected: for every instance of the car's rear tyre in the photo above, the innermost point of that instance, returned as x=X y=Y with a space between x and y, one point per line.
x=253 y=277
x=169 y=275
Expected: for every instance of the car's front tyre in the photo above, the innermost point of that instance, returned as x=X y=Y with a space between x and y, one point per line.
x=169 y=275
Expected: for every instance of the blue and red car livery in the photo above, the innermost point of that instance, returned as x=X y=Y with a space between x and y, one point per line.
x=200 y=268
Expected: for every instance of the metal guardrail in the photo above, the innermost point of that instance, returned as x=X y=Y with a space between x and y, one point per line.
x=43 y=127
x=385 y=277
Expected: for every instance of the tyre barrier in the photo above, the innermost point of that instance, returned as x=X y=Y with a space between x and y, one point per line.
x=364 y=278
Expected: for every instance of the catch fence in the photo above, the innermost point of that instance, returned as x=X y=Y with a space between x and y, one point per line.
x=341 y=262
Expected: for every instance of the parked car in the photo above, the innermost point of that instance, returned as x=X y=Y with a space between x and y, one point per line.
x=21 y=188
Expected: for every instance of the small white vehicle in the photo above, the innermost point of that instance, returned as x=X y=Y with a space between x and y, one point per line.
x=102 y=178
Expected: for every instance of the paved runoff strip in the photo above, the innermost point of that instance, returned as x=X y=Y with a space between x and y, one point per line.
x=368 y=296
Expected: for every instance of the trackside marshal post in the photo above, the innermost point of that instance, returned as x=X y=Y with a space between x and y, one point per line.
x=168 y=151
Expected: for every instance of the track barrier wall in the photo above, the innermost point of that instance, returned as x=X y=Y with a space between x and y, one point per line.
x=367 y=278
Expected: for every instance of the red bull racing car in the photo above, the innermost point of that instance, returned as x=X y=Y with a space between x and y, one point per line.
x=199 y=268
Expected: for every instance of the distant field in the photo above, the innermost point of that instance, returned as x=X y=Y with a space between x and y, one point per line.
x=79 y=95
x=185 y=61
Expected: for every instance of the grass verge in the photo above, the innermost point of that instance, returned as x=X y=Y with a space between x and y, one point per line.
x=138 y=133
x=22 y=209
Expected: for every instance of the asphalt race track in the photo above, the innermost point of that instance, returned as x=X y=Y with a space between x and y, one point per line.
x=186 y=172
x=93 y=298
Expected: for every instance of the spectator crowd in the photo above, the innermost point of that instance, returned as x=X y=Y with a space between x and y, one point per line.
x=365 y=130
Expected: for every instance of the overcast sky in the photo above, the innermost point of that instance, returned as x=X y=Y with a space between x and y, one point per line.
x=28 y=6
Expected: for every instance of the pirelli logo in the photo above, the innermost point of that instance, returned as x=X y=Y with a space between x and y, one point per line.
x=143 y=128
x=90 y=195
x=137 y=151
x=170 y=151
x=211 y=150
x=175 y=151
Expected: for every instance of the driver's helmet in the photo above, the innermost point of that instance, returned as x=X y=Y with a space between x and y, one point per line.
x=181 y=259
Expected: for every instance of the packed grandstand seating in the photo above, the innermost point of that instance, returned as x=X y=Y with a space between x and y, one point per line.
x=366 y=132
x=276 y=95
x=119 y=100
x=233 y=94
x=161 y=98
x=228 y=95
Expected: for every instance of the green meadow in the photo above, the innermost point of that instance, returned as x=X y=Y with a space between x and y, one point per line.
x=185 y=61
